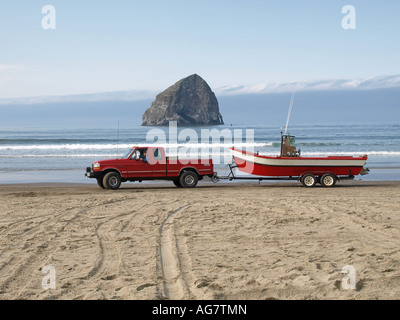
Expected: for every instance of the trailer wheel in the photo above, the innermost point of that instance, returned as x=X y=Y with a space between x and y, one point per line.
x=112 y=181
x=309 y=180
x=188 y=179
x=177 y=183
x=100 y=183
x=328 y=180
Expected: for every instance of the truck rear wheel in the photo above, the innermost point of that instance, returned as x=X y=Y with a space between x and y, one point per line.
x=112 y=181
x=328 y=180
x=188 y=179
x=177 y=183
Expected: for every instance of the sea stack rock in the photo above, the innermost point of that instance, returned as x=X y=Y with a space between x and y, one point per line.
x=190 y=101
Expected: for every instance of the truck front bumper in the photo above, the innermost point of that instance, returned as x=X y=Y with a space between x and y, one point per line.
x=93 y=174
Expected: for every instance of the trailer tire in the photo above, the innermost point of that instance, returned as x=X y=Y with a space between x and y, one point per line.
x=309 y=180
x=177 y=183
x=112 y=181
x=328 y=180
x=188 y=179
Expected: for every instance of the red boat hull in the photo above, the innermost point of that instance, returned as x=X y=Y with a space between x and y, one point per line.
x=297 y=166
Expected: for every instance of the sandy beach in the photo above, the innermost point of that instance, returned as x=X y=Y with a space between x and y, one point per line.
x=222 y=241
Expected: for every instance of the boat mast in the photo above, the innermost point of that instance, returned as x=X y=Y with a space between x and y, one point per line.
x=290 y=109
x=286 y=148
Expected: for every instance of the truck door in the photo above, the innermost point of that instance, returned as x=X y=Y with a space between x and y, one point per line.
x=158 y=162
x=138 y=165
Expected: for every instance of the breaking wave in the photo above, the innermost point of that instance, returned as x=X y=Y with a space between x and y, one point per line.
x=127 y=146
x=194 y=152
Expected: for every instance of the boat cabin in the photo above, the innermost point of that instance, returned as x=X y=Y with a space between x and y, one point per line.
x=287 y=147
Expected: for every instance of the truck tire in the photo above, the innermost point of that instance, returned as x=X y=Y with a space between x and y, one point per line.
x=188 y=179
x=328 y=180
x=177 y=183
x=112 y=181
x=309 y=180
x=100 y=183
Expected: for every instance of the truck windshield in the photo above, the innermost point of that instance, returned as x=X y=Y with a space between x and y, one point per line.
x=127 y=154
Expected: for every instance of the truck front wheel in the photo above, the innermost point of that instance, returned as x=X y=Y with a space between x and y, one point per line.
x=100 y=183
x=188 y=179
x=112 y=181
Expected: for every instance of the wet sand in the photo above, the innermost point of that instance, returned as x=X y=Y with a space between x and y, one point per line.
x=223 y=241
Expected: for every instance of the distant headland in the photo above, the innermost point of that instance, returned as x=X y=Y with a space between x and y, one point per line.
x=190 y=101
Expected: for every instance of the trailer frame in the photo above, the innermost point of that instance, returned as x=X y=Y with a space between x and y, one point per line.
x=231 y=176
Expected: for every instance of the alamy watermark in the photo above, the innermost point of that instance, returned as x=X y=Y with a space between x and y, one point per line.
x=49 y=280
x=191 y=146
x=49 y=20
x=349 y=20
x=349 y=280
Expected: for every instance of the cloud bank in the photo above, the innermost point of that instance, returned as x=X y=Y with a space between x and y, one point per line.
x=372 y=83
x=132 y=95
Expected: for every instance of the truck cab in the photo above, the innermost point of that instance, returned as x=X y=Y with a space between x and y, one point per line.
x=149 y=163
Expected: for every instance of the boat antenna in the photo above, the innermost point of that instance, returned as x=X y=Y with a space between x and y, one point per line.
x=118 y=139
x=290 y=109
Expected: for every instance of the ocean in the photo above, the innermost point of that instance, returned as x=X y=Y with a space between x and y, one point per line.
x=44 y=154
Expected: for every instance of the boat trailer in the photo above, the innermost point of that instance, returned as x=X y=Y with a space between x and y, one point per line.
x=231 y=176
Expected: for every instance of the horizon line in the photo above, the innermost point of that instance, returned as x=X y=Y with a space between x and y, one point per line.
x=357 y=84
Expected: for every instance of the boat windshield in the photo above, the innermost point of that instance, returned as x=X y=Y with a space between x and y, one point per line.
x=127 y=154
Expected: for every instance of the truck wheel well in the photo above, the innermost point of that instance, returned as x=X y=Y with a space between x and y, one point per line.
x=189 y=169
x=111 y=170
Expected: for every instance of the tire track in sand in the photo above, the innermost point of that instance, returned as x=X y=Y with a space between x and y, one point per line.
x=107 y=266
x=21 y=277
x=106 y=269
x=173 y=260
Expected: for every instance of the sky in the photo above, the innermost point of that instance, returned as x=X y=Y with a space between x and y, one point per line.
x=101 y=47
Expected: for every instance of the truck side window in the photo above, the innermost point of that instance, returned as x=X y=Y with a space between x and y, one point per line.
x=138 y=154
x=135 y=155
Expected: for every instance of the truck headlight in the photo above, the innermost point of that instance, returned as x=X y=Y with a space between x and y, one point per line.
x=96 y=166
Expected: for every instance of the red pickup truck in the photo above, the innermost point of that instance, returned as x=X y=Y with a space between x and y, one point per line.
x=149 y=163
